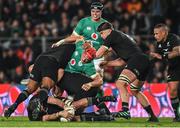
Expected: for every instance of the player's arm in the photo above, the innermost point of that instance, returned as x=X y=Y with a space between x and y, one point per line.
x=155 y=55
x=54 y=116
x=56 y=101
x=113 y=63
x=176 y=48
x=174 y=53
x=102 y=51
x=69 y=39
x=97 y=82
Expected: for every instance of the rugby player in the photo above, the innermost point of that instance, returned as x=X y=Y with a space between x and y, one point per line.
x=135 y=71
x=57 y=108
x=168 y=50
x=44 y=72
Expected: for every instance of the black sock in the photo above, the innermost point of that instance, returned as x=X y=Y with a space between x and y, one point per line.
x=43 y=94
x=92 y=101
x=103 y=106
x=175 y=104
x=22 y=96
x=149 y=110
x=100 y=105
x=125 y=106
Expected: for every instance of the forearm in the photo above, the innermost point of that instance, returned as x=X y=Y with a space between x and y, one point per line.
x=97 y=81
x=82 y=103
x=51 y=117
x=173 y=54
x=69 y=39
x=117 y=62
x=52 y=100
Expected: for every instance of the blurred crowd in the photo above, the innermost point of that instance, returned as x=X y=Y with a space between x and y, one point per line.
x=28 y=27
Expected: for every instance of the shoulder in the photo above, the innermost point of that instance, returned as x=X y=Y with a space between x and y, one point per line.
x=173 y=36
x=104 y=20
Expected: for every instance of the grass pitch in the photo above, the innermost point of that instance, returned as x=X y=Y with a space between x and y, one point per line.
x=134 y=122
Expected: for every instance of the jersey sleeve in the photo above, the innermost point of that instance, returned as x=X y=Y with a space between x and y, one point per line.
x=79 y=28
x=107 y=42
x=175 y=41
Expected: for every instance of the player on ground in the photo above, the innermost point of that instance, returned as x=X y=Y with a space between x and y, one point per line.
x=57 y=108
x=168 y=50
x=133 y=74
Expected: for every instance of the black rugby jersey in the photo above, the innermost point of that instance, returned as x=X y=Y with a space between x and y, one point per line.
x=166 y=47
x=124 y=45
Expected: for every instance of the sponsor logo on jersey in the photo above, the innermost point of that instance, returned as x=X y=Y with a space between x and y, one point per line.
x=88 y=28
x=94 y=36
x=73 y=61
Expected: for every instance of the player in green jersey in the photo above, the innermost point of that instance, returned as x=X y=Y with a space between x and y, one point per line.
x=87 y=27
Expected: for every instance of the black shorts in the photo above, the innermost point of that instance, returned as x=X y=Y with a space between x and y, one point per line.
x=139 y=64
x=173 y=75
x=72 y=83
x=44 y=67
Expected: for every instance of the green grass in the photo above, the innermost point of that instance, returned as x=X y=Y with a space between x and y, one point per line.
x=134 y=122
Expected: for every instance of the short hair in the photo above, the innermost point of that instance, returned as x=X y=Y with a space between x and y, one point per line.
x=104 y=26
x=97 y=5
x=161 y=25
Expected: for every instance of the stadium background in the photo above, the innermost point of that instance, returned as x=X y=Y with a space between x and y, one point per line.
x=28 y=28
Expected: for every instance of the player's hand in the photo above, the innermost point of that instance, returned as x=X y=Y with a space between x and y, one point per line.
x=87 y=86
x=86 y=45
x=65 y=114
x=79 y=38
x=103 y=64
x=55 y=45
x=156 y=55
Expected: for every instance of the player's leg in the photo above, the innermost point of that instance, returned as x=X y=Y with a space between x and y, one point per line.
x=125 y=78
x=173 y=83
x=135 y=90
x=134 y=70
x=49 y=73
x=35 y=78
x=173 y=88
x=89 y=101
x=99 y=70
x=31 y=87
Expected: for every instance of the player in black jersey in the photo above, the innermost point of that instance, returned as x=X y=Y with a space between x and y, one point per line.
x=135 y=71
x=45 y=72
x=168 y=50
x=62 y=107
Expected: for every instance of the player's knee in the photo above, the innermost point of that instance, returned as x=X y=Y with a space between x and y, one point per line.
x=173 y=89
x=134 y=92
x=122 y=81
x=47 y=82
